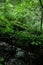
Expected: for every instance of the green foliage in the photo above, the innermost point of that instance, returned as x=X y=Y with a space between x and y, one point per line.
x=22 y=14
x=1 y=60
x=0 y=64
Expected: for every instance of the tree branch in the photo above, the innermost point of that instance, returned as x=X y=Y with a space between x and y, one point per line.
x=41 y=3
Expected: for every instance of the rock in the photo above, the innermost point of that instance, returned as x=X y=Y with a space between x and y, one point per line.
x=19 y=53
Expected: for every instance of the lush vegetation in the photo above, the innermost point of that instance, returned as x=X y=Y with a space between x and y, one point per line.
x=22 y=20
x=21 y=23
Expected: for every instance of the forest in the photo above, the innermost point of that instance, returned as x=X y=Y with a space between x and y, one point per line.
x=21 y=32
